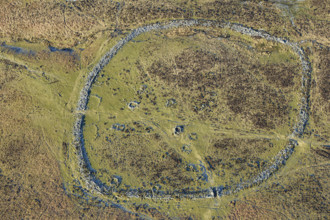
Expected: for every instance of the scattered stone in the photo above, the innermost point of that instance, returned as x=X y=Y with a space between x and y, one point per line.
x=118 y=127
x=185 y=148
x=132 y=105
x=179 y=129
x=170 y=103
x=193 y=136
x=116 y=180
x=149 y=129
x=192 y=167
x=142 y=89
x=108 y=139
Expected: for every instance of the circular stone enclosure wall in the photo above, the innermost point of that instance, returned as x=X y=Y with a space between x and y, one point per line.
x=207 y=111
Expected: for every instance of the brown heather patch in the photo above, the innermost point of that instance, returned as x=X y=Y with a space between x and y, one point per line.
x=157 y=164
x=202 y=72
x=320 y=92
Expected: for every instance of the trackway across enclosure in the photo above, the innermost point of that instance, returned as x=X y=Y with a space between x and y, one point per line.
x=87 y=172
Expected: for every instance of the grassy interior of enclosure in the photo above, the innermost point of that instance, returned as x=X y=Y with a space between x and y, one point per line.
x=235 y=96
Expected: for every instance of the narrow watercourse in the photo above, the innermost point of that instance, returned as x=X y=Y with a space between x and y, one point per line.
x=93 y=184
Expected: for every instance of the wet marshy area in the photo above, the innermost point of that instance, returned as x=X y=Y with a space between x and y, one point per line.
x=17 y=50
x=45 y=55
